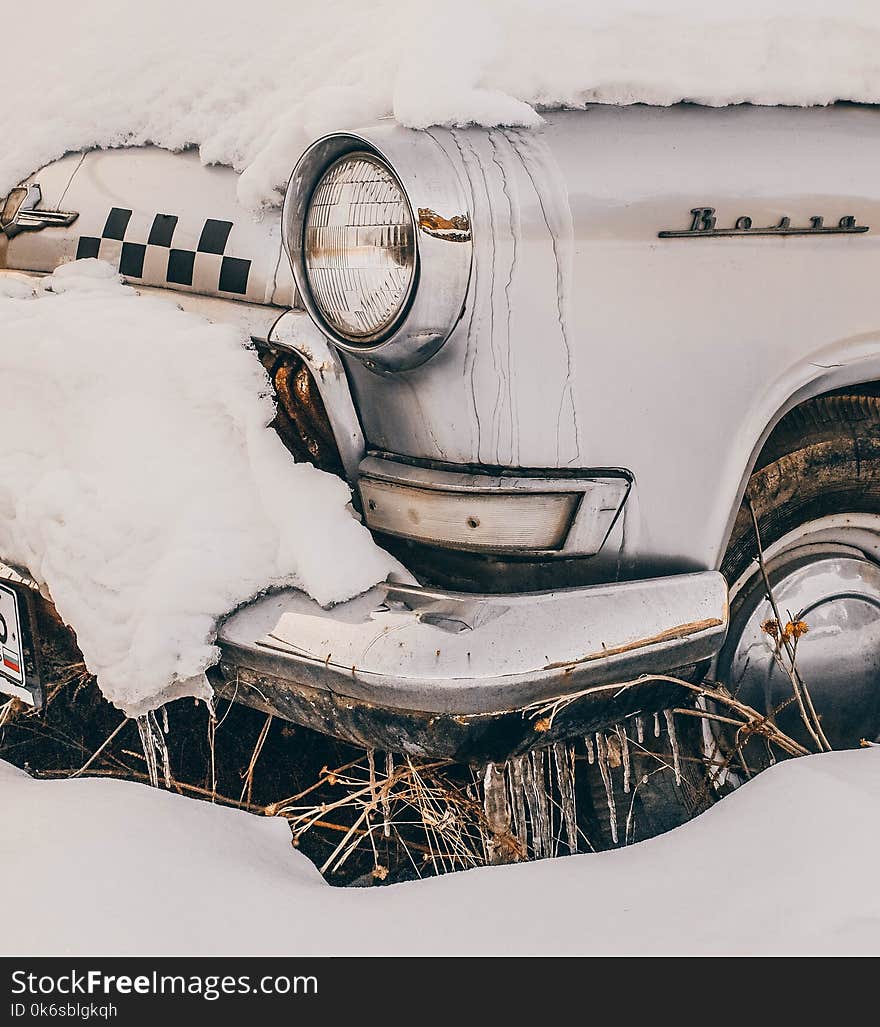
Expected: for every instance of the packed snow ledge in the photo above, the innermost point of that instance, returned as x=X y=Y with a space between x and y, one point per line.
x=141 y=486
x=253 y=95
x=787 y=864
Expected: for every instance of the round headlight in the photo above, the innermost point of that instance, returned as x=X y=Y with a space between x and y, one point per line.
x=359 y=248
x=378 y=232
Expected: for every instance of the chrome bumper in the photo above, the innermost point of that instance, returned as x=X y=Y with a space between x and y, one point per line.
x=401 y=651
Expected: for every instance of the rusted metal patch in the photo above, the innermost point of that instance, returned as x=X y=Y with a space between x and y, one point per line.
x=454 y=229
x=301 y=419
x=474 y=739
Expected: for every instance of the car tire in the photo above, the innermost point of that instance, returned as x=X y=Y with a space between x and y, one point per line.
x=815 y=497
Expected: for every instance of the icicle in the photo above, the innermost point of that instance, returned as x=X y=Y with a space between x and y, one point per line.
x=629 y=830
x=162 y=748
x=656 y=725
x=591 y=753
x=565 y=782
x=164 y=719
x=531 y=801
x=625 y=755
x=146 y=732
x=673 y=741
x=514 y=770
x=640 y=729
x=612 y=748
x=602 y=757
x=497 y=810
x=547 y=776
x=511 y=798
x=538 y=761
x=386 y=803
x=536 y=799
x=153 y=743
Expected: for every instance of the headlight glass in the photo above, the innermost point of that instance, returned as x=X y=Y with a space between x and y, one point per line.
x=359 y=248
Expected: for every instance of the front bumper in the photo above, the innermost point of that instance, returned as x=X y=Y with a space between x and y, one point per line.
x=449 y=674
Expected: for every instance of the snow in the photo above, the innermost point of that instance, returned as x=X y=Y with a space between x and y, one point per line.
x=787 y=864
x=252 y=96
x=140 y=484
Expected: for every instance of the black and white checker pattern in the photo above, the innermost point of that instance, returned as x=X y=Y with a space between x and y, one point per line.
x=207 y=268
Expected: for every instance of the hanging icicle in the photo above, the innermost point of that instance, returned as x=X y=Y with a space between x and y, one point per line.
x=545 y=827
x=625 y=756
x=154 y=745
x=516 y=785
x=673 y=742
x=602 y=757
x=565 y=787
x=530 y=789
x=149 y=750
x=497 y=810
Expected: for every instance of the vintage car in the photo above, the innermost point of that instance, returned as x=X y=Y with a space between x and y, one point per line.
x=572 y=376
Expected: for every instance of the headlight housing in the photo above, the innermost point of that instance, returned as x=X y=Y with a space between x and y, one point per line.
x=359 y=248
x=379 y=238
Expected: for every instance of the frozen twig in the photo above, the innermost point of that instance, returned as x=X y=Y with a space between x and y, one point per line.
x=100 y=748
x=248 y=786
x=801 y=692
x=752 y=721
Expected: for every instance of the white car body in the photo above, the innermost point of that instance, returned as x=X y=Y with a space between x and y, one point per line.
x=649 y=291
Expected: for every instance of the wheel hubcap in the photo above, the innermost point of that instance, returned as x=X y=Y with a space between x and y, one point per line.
x=826 y=575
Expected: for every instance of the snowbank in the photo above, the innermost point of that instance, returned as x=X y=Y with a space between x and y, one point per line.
x=787 y=864
x=140 y=483
x=253 y=95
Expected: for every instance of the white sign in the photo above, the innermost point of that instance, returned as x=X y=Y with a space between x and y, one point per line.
x=11 y=652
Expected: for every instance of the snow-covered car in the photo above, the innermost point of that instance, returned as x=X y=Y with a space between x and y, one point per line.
x=572 y=376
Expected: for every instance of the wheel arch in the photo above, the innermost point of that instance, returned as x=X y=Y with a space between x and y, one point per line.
x=857 y=376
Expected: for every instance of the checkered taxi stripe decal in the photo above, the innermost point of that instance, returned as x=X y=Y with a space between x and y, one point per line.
x=207 y=267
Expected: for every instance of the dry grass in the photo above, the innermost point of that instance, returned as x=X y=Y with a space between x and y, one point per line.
x=400 y=802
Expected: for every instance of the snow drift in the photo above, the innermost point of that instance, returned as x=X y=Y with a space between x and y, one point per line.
x=140 y=483
x=252 y=86
x=787 y=864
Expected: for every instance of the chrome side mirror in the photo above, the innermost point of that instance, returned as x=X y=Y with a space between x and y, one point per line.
x=19 y=213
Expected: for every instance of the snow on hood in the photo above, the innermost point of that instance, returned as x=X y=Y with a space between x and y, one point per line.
x=140 y=484
x=252 y=85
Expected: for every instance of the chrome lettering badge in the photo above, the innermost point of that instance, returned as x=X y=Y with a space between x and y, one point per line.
x=703 y=225
x=20 y=213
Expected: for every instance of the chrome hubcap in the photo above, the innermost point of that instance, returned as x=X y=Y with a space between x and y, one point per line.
x=825 y=574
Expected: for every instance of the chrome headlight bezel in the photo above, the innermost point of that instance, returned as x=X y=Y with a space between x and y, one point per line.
x=333 y=286
x=442 y=240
